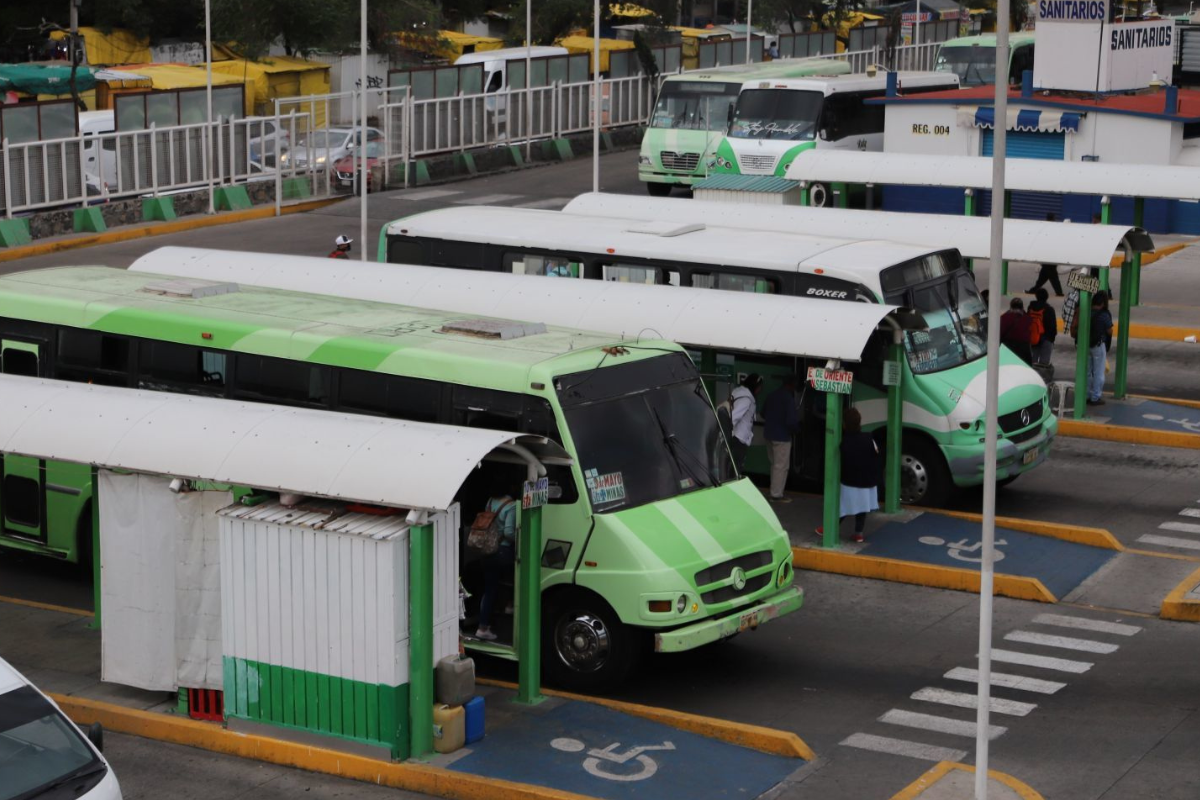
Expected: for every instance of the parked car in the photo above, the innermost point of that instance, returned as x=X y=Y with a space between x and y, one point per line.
x=44 y=754
x=328 y=145
x=262 y=141
x=345 y=168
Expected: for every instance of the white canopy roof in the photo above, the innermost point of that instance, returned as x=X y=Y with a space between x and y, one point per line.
x=764 y=323
x=1037 y=242
x=323 y=453
x=1021 y=174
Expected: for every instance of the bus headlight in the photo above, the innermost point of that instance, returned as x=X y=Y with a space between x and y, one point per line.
x=681 y=604
x=784 y=575
x=645 y=161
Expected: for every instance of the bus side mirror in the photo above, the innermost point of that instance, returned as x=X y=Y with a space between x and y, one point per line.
x=95 y=735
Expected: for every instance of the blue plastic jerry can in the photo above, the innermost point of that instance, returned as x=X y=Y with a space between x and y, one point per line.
x=474 y=709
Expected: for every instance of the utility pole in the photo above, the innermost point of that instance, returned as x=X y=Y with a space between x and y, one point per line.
x=73 y=44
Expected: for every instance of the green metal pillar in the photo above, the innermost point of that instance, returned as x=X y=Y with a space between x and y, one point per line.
x=833 y=468
x=420 y=640
x=96 y=564
x=1105 y=216
x=1129 y=277
x=1004 y=264
x=895 y=430
x=1135 y=285
x=969 y=211
x=1084 y=335
x=529 y=608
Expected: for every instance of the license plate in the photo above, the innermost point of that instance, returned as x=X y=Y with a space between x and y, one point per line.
x=748 y=621
x=346 y=182
x=1029 y=457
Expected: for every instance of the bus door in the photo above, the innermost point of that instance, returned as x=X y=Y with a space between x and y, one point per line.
x=22 y=505
x=808 y=451
x=772 y=370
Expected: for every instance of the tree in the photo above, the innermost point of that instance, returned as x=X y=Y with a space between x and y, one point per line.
x=552 y=20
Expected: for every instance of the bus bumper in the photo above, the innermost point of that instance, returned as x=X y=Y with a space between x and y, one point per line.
x=1012 y=458
x=712 y=630
x=648 y=175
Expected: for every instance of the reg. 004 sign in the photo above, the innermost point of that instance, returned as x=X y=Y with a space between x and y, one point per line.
x=1072 y=10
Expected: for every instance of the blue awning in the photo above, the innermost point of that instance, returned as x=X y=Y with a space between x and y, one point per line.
x=1021 y=119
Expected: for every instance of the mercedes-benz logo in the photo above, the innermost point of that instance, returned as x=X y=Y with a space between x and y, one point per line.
x=1025 y=418
x=738 y=577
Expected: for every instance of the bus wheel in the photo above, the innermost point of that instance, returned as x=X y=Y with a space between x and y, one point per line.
x=658 y=189
x=924 y=478
x=818 y=195
x=586 y=647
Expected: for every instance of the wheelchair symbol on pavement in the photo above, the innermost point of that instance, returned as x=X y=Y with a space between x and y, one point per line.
x=598 y=758
x=957 y=549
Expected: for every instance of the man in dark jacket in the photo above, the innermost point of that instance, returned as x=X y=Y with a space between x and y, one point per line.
x=1102 y=325
x=1041 y=307
x=1014 y=330
x=782 y=420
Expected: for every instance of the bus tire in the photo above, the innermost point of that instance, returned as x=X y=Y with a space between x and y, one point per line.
x=586 y=647
x=819 y=196
x=924 y=476
x=658 y=189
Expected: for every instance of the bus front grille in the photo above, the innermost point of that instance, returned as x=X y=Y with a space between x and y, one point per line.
x=757 y=163
x=1019 y=420
x=727 y=593
x=684 y=162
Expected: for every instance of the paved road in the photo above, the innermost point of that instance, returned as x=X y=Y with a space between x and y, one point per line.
x=847 y=667
x=150 y=770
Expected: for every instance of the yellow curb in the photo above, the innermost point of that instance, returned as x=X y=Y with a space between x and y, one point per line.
x=1079 y=534
x=1176 y=556
x=1162 y=333
x=159 y=229
x=1123 y=433
x=213 y=737
x=1018 y=587
x=1170 y=400
x=944 y=768
x=755 y=737
x=16 y=601
x=1150 y=258
x=1175 y=606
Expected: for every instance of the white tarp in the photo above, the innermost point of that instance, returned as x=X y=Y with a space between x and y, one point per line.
x=160 y=590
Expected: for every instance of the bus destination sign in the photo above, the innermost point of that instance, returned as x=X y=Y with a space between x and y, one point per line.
x=834 y=381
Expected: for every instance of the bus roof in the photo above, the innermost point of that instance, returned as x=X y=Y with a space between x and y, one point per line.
x=1015 y=39
x=783 y=68
x=855 y=261
x=350 y=333
x=858 y=81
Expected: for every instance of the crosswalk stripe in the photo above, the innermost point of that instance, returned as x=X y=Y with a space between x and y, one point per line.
x=903 y=747
x=1045 y=662
x=426 y=194
x=1182 y=527
x=1065 y=642
x=1190 y=512
x=1083 y=624
x=1006 y=681
x=963 y=700
x=1169 y=541
x=548 y=202
x=488 y=199
x=929 y=722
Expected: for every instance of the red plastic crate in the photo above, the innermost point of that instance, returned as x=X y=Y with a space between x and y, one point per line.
x=206 y=704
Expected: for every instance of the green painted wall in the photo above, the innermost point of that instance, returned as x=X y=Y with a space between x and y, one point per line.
x=362 y=712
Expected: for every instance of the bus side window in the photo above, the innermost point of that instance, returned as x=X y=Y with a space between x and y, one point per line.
x=92 y=357
x=1022 y=60
x=632 y=273
x=18 y=358
x=405 y=251
x=275 y=380
x=181 y=367
x=389 y=395
x=486 y=408
x=549 y=266
x=735 y=282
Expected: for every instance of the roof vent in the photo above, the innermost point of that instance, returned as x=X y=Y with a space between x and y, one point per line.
x=494 y=328
x=666 y=228
x=189 y=287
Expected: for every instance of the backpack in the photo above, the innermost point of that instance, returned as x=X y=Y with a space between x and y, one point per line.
x=1037 y=325
x=485 y=534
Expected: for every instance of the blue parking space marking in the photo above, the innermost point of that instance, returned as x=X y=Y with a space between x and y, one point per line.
x=1152 y=414
x=950 y=542
x=592 y=750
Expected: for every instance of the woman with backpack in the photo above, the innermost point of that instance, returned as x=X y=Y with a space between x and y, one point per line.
x=497 y=521
x=1043 y=328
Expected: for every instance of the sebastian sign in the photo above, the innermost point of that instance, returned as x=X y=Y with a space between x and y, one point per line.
x=834 y=381
x=1082 y=282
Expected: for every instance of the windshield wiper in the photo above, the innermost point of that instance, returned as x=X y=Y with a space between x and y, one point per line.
x=675 y=448
x=83 y=772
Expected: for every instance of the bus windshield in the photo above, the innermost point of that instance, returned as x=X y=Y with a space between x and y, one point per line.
x=639 y=442
x=957 y=320
x=694 y=105
x=974 y=65
x=785 y=114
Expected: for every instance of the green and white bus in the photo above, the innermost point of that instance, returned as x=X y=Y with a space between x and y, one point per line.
x=943 y=377
x=776 y=120
x=692 y=113
x=649 y=532
x=973 y=58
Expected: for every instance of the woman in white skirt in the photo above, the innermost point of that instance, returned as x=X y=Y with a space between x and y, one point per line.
x=860 y=472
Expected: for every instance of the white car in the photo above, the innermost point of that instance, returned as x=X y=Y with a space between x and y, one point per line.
x=327 y=145
x=261 y=142
x=42 y=753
